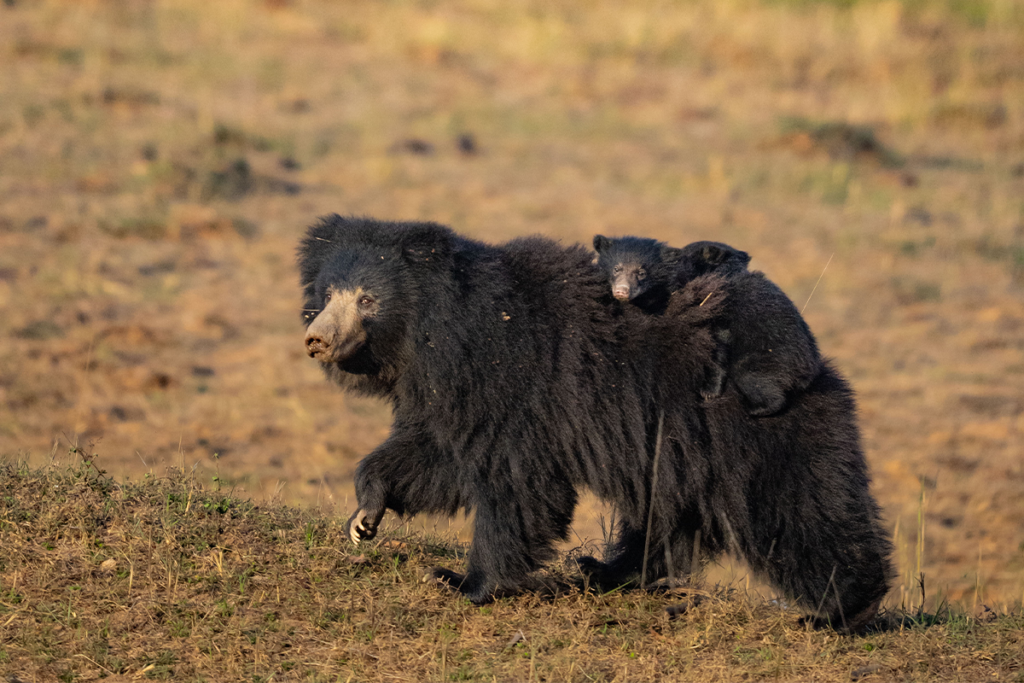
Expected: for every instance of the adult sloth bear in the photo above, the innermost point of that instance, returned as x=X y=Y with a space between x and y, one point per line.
x=515 y=383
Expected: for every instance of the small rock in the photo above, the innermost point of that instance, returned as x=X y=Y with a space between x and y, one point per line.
x=517 y=638
x=864 y=672
x=467 y=144
x=413 y=146
x=40 y=330
x=676 y=611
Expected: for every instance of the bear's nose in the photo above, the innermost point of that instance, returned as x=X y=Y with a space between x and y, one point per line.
x=316 y=344
x=620 y=292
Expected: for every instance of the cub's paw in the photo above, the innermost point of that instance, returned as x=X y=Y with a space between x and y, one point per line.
x=714 y=383
x=710 y=393
x=362 y=526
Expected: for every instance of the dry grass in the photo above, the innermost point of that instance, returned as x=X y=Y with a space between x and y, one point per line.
x=159 y=159
x=163 y=579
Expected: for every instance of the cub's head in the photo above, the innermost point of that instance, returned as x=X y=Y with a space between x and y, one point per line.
x=635 y=266
x=701 y=258
x=363 y=282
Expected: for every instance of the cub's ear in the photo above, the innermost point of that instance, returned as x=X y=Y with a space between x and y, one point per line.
x=712 y=254
x=671 y=255
x=716 y=253
x=601 y=243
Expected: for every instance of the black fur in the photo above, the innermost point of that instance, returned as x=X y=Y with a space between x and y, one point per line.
x=789 y=494
x=701 y=258
x=765 y=347
x=642 y=267
x=515 y=383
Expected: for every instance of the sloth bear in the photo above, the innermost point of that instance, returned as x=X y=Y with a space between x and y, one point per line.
x=515 y=382
x=765 y=346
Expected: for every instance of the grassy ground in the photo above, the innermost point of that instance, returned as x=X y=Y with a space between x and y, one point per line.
x=158 y=161
x=161 y=579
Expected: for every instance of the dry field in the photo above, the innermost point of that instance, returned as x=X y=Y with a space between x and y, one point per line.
x=163 y=579
x=159 y=160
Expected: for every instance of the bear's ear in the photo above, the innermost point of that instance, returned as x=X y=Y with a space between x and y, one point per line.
x=601 y=243
x=671 y=255
x=743 y=257
x=317 y=246
x=426 y=243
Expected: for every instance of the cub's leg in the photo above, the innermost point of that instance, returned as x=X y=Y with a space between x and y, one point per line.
x=714 y=383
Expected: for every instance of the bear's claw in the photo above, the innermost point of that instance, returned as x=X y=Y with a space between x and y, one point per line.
x=360 y=528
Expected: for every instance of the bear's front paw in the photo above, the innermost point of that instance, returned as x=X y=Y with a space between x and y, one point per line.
x=362 y=526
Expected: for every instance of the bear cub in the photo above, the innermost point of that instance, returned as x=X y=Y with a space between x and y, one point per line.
x=645 y=271
x=764 y=345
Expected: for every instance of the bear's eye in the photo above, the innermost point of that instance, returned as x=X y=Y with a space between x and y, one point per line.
x=327 y=297
x=617 y=269
x=641 y=274
x=366 y=301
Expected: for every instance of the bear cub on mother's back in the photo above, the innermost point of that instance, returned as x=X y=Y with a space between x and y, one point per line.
x=765 y=347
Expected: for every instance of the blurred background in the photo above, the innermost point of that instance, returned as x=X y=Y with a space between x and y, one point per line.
x=160 y=160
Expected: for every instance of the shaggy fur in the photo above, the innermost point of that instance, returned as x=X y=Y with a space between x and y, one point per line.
x=765 y=347
x=789 y=494
x=515 y=383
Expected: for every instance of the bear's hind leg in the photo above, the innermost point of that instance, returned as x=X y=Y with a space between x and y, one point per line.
x=511 y=539
x=623 y=560
x=764 y=394
x=624 y=563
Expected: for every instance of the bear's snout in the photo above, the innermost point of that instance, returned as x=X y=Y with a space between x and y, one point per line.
x=337 y=332
x=316 y=345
